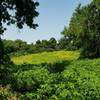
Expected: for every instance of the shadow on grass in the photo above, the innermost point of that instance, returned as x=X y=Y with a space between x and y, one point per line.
x=23 y=83
x=23 y=67
x=52 y=68
x=57 y=67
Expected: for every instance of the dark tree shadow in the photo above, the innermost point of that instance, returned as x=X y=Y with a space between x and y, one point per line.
x=57 y=66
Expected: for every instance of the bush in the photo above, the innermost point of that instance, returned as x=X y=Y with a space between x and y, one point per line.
x=77 y=80
x=57 y=67
x=30 y=79
x=6 y=94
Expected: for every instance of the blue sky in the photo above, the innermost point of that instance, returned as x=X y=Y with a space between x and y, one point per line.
x=54 y=15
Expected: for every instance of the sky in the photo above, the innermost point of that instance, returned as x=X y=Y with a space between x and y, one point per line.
x=53 y=16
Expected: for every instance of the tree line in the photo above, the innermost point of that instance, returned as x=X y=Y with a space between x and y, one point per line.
x=83 y=34
x=20 y=47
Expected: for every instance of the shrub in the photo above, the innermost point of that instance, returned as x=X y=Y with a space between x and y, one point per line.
x=6 y=94
x=29 y=80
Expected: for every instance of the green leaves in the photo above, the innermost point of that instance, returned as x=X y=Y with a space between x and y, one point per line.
x=84 y=29
x=18 y=12
x=80 y=80
x=97 y=2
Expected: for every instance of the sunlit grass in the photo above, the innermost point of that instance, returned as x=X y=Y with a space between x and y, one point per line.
x=46 y=57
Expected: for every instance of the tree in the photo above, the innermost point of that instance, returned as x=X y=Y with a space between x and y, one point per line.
x=44 y=44
x=52 y=43
x=84 y=29
x=18 y=12
x=97 y=3
x=63 y=43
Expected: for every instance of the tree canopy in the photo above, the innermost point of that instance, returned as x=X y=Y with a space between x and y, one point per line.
x=18 y=12
x=84 y=29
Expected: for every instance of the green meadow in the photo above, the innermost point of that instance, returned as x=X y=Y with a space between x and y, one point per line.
x=46 y=57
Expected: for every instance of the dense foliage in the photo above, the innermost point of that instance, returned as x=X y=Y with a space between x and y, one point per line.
x=83 y=33
x=84 y=30
x=19 y=13
x=24 y=12
x=72 y=80
x=19 y=47
x=57 y=75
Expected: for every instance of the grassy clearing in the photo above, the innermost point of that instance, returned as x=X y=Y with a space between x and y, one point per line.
x=46 y=57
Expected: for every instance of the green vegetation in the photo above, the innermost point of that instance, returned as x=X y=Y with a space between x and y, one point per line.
x=12 y=12
x=62 y=80
x=19 y=47
x=56 y=75
x=46 y=57
x=84 y=30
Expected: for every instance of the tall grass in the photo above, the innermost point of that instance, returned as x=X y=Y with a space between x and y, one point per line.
x=46 y=57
